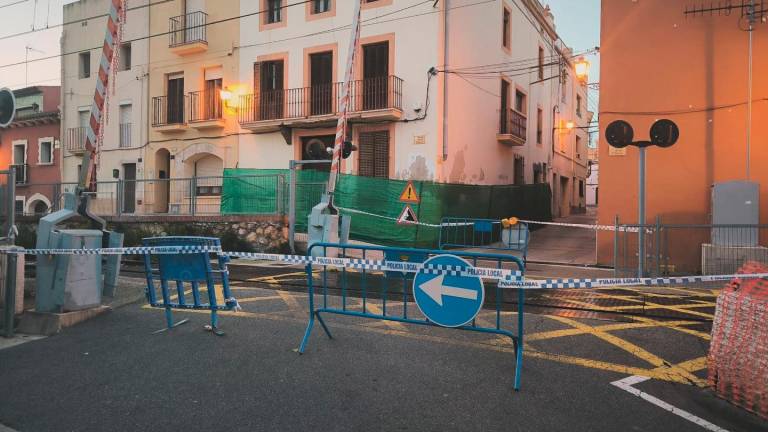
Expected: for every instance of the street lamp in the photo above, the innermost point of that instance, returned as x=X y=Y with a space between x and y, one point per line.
x=582 y=69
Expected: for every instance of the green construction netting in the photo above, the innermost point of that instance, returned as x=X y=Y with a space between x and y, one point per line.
x=266 y=191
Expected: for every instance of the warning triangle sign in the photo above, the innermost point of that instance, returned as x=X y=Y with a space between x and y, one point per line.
x=408 y=217
x=409 y=195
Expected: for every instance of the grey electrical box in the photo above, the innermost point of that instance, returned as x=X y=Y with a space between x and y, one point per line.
x=735 y=203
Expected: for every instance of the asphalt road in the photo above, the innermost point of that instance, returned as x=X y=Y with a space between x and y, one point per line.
x=112 y=373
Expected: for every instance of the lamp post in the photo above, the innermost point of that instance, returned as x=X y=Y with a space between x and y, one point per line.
x=664 y=133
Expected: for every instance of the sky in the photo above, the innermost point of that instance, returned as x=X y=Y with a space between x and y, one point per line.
x=577 y=21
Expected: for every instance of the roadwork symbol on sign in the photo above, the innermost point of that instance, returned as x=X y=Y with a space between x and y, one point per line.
x=409 y=194
x=408 y=216
x=445 y=299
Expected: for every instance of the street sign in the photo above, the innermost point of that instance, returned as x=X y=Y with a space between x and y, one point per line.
x=448 y=300
x=408 y=216
x=409 y=194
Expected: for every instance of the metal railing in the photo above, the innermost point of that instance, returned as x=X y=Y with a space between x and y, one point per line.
x=75 y=139
x=205 y=106
x=168 y=110
x=187 y=29
x=22 y=173
x=214 y=195
x=368 y=94
x=125 y=135
x=513 y=123
x=685 y=249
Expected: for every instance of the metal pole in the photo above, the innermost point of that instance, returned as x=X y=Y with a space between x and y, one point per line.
x=616 y=247
x=292 y=207
x=749 y=84
x=10 y=294
x=641 y=215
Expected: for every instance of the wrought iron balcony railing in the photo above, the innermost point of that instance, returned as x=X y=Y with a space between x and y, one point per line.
x=513 y=123
x=368 y=94
x=188 y=29
x=75 y=140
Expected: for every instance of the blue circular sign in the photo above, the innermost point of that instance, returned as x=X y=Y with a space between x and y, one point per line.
x=444 y=295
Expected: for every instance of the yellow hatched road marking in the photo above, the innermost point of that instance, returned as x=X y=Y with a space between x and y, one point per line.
x=660 y=373
x=629 y=347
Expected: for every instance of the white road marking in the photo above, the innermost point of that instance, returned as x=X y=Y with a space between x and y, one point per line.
x=626 y=385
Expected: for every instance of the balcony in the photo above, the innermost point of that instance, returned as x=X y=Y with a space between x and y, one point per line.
x=188 y=33
x=168 y=113
x=22 y=173
x=372 y=99
x=75 y=140
x=125 y=135
x=513 y=129
x=206 y=110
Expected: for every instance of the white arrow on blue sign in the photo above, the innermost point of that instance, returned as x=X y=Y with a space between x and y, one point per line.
x=445 y=299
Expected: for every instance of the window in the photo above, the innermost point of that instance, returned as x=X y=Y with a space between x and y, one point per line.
x=84 y=60
x=581 y=188
x=578 y=147
x=541 y=63
x=505 y=29
x=175 y=103
x=374 y=154
x=578 y=105
x=321 y=6
x=19 y=206
x=539 y=125
x=268 y=84
x=125 y=57
x=126 y=121
x=274 y=11
x=519 y=170
x=45 y=151
x=521 y=102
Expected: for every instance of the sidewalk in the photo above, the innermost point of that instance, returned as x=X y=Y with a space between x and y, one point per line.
x=566 y=245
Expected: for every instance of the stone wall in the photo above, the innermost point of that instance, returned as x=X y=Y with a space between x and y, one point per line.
x=236 y=234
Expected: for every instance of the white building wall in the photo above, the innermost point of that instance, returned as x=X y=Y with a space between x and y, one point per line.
x=129 y=87
x=415 y=52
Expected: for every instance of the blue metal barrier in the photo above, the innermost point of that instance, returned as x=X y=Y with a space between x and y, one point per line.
x=484 y=233
x=338 y=286
x=192 y=268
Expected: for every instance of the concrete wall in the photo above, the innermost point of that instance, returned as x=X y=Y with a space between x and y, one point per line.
x=693 y=71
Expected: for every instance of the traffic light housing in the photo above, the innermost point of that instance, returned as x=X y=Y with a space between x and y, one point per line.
x=347 y=148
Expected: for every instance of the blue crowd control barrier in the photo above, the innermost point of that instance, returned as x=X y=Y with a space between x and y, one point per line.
x=190 y=268
x=484 y=233
x=379 y=293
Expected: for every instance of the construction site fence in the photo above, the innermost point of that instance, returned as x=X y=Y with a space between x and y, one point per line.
x=375 y=203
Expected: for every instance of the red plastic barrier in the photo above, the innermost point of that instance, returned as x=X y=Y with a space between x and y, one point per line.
x=738 y=353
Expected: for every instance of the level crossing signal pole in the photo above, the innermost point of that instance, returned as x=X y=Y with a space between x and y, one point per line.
x=619 y=134
x=342 y=124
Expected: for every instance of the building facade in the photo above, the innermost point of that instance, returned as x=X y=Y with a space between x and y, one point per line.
x=693 y=70
x=32 y=146
x=257 y=84
x=122 y=154
x=426 y=103
x=193 y=130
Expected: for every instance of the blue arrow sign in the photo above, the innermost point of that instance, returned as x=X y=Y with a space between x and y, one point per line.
x=445 y=299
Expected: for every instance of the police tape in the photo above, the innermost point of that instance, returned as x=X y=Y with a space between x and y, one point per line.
x=506 y=278
x=594 y=227
x=619 y=282
x=342 y=263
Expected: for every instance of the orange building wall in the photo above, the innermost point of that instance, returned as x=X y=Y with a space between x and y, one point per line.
x=654 y=59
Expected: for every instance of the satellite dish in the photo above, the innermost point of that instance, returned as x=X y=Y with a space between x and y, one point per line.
x=316 y=149
x=664 y=133
x=619 y=134
x=7 y=107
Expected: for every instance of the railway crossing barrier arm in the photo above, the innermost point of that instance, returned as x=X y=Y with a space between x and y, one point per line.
x=444 y=290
